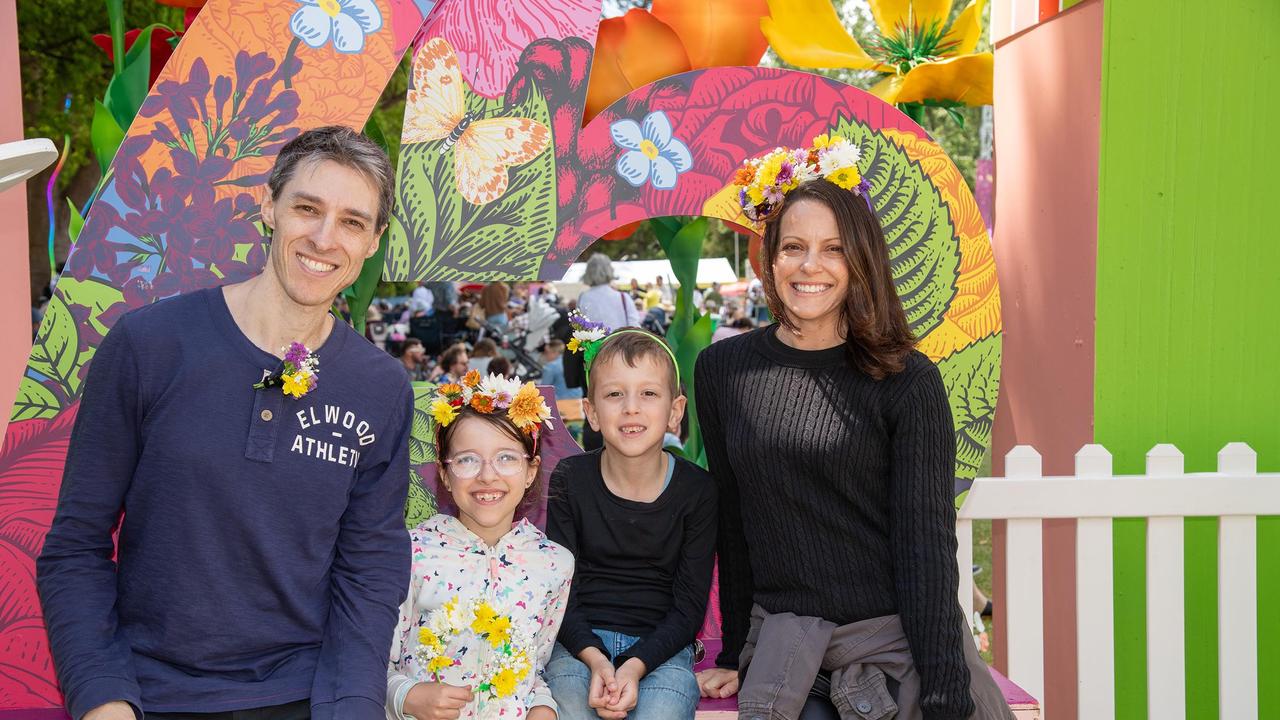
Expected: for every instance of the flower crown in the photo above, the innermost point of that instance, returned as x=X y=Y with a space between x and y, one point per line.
x=766 y=180
x=524 y=404
x=589 y=336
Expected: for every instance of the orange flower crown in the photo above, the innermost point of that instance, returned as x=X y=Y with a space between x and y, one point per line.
x=523 y=403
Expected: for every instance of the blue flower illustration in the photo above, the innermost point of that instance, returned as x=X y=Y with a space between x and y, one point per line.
x=652 y=153
x=347 y=22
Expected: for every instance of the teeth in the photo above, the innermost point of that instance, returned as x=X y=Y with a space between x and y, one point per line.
x=315 y=265
x=810 y=288
x=633 y=429
x=488 y=497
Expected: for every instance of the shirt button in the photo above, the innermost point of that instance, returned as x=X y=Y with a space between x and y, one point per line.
x=863 y=707
x=266 y=416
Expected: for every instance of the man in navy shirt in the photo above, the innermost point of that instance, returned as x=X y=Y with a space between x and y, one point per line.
x=262 y=552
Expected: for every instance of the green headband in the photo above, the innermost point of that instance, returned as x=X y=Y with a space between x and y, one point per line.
x=592 y=348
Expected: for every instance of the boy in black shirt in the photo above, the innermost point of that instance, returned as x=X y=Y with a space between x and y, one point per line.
x=641 y=524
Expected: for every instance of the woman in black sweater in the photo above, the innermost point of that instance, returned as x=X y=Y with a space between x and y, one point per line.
x=832 y=444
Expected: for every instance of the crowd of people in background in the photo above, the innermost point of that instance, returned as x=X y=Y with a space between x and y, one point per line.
x=521 y=329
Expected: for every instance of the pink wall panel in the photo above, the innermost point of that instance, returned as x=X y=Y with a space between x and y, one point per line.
x=1047 y=113
x=15 y=318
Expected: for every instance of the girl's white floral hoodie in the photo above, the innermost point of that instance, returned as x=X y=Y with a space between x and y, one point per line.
x=525 y=576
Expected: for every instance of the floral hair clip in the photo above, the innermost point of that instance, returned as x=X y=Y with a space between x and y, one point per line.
x=524 y=404
x=589 y=336
x=766 y=180
x=298 y=373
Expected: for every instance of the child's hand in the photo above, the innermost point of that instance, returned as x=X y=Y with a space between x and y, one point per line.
x=541 y=712
x=718 y=682
x=436 y=701
x=604 y=688
x=628 y=680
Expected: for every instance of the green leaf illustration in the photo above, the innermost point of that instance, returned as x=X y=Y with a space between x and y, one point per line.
x=93 y=294
x=422 y=443
x=34 y=401
x=105 y=135
x=55 y=353
x=923 y=249
x=972 y=378
x=422 y=452
x=421 y=504
x=436 y=234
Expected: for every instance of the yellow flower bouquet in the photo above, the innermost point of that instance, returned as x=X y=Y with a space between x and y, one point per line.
x=475 y=629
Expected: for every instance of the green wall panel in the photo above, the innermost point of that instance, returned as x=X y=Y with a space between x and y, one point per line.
x=1188 y=293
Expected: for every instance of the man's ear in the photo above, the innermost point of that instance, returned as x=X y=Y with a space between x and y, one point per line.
x=268 y=212
x=373 y=247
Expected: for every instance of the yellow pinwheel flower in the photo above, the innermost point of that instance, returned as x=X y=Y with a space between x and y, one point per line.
x=926 y=62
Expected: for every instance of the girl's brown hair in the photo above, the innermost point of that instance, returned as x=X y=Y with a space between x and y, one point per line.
x=532 y=494
x=877 y=336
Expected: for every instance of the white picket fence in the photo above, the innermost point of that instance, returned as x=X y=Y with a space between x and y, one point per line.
x=1237 y=493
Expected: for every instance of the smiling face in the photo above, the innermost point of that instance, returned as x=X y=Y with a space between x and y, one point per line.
x=633 y=407
x=323 y=225
x=487 y=471
x=810 y=271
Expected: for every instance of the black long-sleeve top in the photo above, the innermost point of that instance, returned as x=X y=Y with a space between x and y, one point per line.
x=641 y=569
x=836 y=498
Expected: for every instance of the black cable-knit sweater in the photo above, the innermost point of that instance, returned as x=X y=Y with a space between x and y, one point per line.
x=836 y=498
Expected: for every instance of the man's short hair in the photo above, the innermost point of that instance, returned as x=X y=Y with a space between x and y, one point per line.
x=345 y=147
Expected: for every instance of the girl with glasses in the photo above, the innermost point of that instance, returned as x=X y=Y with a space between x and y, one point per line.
x=487 y=592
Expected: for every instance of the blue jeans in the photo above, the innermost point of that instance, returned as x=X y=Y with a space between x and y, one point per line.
x=668 y=692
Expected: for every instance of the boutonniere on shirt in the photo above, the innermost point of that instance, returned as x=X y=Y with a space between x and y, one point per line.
x=296 y=375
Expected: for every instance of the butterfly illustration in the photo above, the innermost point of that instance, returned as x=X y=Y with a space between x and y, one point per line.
x=435 y=109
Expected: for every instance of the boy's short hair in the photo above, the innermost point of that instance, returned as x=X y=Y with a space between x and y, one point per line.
x=555 y=345
x=632 y=346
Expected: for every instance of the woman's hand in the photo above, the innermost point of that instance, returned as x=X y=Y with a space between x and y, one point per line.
x=541 y=712
x=436 y=701
x=718 y=682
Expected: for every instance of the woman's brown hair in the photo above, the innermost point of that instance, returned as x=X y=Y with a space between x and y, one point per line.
x=532 y=494
x=877 y=336
x=493 y=298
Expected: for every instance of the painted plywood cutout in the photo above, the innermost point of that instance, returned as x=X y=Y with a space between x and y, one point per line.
x=178 y=211
x=670 y=149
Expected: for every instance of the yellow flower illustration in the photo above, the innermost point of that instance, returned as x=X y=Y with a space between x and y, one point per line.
x=443 y=412
x=297 y=384
x=925 y=60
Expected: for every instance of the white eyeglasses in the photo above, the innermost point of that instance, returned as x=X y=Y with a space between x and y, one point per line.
x=506 y=463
